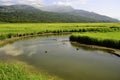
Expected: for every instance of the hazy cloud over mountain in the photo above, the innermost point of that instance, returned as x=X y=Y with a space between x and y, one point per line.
x=37 y=2
x=70 y=2
x=104 y=7
x=28 y=2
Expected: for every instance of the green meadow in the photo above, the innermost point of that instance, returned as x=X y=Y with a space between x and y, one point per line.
x=103 y=34
x=10 y=30
x=107 y=39
x=10 y=71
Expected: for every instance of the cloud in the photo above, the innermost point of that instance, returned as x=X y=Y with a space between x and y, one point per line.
x=83 y=1
x=64 y=3
x=39 y=3
x=70 y=2
x=27 y=2
x=31 y=2
x=6 y=2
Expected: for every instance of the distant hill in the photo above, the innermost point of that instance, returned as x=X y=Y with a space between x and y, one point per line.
x=26 y=13
x=83 y=13
x=58 y=9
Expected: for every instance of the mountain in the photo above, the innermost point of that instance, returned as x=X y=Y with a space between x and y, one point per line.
x=57 y=8
x=26 y=13
x=76 y=12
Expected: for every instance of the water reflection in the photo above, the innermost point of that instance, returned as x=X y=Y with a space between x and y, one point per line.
x=95 y=48
x=56 y=55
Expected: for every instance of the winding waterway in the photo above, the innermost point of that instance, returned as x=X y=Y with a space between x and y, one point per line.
x=57 y=56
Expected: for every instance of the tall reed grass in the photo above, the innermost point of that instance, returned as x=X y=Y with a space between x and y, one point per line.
x=109 y=39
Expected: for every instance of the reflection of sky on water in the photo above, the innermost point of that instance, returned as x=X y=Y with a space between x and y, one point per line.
x=56 y=55
x=11 y=50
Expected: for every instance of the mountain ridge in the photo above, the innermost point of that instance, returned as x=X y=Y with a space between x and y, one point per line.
x=27 y=13
x=78 y=12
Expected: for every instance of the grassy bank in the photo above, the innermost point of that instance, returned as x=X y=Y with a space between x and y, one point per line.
x=107 y=39
x=9 y=71
x=105 y=34
x=18 y=30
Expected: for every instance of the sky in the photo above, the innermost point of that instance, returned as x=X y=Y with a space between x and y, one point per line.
x=104 y=7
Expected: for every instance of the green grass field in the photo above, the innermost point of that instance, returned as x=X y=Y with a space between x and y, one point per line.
x=14 y=72
x=10 y=30
x=107 y=39
x=10 y=71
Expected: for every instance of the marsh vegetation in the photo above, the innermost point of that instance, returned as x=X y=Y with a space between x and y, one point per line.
x=103 y=34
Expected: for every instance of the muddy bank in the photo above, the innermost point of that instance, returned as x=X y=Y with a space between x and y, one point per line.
x=13 y=39
x=96 y=47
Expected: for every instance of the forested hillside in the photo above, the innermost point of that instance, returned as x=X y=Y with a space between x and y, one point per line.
x=25 y=13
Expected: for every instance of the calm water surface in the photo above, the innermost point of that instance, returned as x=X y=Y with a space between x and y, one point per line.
x=56 y=55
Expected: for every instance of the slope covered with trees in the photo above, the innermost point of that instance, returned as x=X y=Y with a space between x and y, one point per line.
x=26 y=13
x=70 y=10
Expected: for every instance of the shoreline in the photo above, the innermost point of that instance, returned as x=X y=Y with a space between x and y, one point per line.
x=11 y=40
x=27 y=68
x=95 y=47
x=112 y=51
